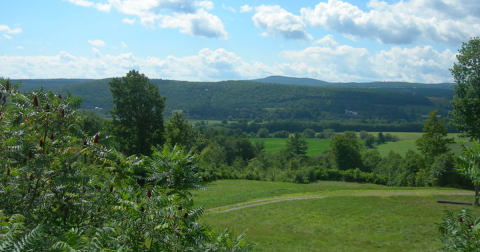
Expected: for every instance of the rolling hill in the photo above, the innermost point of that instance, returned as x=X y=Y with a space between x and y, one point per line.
x=287 y=99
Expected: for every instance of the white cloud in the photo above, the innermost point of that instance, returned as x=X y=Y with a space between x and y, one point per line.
x=229 y=8
x=402 y=22
x=191 y=19
x=335 y=63
x=18 y=47
x=124 y=45
x=327 y=41
x=245 y=8
x=275 y=21
x=201 y=24
x=98 y=6
x=4 y=28
x=345 y=63
x=6 y=36
x=207 y=5
x=97 y=42
x=129 y=21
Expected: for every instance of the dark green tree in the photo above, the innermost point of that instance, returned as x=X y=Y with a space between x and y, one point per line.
x=466 y=102
x=346 y=152
x=296 y=145
x=263 y=133
x=308 y=133
x=434 y=140
x=137 y=113
x=178 y=131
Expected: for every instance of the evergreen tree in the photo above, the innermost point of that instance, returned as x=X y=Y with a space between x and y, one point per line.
x=137 y=113
x=296 y=145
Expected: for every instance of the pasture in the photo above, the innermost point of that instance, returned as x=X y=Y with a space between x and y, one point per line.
x=329 y=216
x=316 y=145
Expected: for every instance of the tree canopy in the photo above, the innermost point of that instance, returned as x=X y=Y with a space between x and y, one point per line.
x=434 y=141
x=466 y=102
x=137 y=113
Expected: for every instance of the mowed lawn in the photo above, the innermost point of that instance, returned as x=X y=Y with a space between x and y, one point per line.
x=351 y=216
x=316 y=146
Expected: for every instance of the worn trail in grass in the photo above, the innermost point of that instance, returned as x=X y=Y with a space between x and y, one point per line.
x=378 y=193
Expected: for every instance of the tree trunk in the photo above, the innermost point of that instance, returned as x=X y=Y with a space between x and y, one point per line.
x=476 y=195
x=477 y=182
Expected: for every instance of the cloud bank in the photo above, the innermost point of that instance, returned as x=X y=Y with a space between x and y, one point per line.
x=404 y=22
x=330 y=62
x=189 y=16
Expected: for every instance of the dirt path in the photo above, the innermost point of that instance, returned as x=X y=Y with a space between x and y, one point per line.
x=233 y=207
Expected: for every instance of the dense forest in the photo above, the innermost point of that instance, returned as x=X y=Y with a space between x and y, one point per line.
x=293 y=99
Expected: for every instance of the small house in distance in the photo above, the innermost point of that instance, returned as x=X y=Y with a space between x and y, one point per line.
x=348 y=112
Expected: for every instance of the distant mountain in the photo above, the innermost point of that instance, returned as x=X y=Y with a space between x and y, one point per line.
x=376 y=84
x=293 y=81
x=29 y=85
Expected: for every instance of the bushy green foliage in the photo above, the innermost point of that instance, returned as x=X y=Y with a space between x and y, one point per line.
x=179 y=132
x=434 y=141
x=63 y=190
x=460 y=232
x=346 y=152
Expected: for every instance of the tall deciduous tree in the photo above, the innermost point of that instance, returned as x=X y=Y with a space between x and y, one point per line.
x=466 y=103
x=137 y=113
x=434 y=140
x=178 y=131
x=346 y=152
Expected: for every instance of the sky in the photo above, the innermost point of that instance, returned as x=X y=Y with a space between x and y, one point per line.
x=329 y=40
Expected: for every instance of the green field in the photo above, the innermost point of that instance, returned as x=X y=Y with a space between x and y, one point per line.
x=329 y=216
x=317 y=146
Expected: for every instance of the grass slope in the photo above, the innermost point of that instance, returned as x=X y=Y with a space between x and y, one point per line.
x=352 y=217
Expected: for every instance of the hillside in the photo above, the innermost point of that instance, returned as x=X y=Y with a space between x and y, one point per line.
x=271 y=101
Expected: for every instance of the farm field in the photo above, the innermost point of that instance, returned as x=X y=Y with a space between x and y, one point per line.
x=329 y=216
x=317 y=146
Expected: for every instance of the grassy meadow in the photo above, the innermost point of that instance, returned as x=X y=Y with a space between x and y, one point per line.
x=316 y=146
x=329 y=216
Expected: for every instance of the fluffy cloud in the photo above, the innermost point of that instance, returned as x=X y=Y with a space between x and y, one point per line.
x=4 y=28
x=334 y=63
x=276 y=21
x=345 y=63
x=187 y=15
x=129 y=21
x=6 y=36
x=402 y=22
x=97 y=42
x=245 y=8
x=206 y=65
x=201 y=24
x=98 y=6
x=207 y=5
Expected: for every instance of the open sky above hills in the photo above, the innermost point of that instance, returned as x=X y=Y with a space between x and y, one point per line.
x=334 y=40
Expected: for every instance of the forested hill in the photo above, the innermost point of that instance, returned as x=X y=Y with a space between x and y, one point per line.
x=368 y=85
x=269 y=101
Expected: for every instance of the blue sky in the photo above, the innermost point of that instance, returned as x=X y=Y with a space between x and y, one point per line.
x=331 y=40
